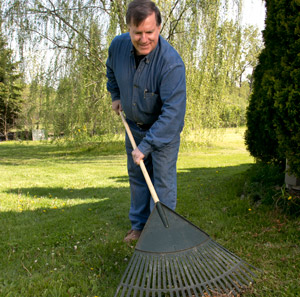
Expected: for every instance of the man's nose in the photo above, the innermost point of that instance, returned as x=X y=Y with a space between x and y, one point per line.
x=144 y=37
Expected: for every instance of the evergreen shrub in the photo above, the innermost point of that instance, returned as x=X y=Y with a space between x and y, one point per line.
x=273 y=115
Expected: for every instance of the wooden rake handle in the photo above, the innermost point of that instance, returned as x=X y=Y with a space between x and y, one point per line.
x=142 y=165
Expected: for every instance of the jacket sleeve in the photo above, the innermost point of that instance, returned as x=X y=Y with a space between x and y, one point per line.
x=171 y=120
x=112 y=85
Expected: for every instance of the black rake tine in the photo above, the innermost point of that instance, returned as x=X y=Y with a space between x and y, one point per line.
x=208 y=283
x=135 y=273
x=154 y=273
x=221 y=278
x=215 y=271
x=174 y=277
x=132 y=266
x=144 y=275
x=147 y=273
x=234 y=276
x=231 y=275
x=182 y=279
x=181 y=286
x=237 y=267
x=129 y=267
x=238 y=258
x=177 y=274
x=165 y=274
x=150 y=274
x=168 y=266
x=132 y=275
x=141 y=269
x=159 y=266
x=210 y=270
x=229 y=257
x=226 y=272
x=201 y=271
x=189 y=275
x=195 y=275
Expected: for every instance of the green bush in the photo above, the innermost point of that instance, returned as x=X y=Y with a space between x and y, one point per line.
x=287 y=82
x=232 y=116
x=260 y=136
x=262 y=183
x=273 y=115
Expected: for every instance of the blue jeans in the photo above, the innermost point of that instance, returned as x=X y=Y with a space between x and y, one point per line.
x=161 y=166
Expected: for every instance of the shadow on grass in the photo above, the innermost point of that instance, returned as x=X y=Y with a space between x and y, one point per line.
x=13 y=151
x=74 y=243
x=69 y=193
x=208 y=179
x=42 y=205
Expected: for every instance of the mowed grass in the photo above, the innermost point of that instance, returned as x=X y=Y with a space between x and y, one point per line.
x=64 y=213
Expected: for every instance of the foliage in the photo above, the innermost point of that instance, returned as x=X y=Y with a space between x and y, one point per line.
x=288 y=201
x=273 y=116
x=260 y=136
x=216 y=49
x=10 y=90
x=37 y=104
x=286 y=81
x=264 y=184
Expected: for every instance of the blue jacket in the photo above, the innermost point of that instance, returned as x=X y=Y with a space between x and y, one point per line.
x=155 y=93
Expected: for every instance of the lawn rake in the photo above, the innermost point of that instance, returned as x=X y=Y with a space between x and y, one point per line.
x=174 y=258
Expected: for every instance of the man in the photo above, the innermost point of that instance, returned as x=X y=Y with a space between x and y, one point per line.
x=146 y=79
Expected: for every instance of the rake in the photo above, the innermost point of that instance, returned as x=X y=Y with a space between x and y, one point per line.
x=174 y=258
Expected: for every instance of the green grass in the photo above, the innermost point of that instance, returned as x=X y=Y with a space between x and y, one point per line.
x=64 y=213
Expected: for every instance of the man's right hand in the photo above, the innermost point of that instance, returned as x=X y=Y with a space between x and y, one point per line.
x=116 y=106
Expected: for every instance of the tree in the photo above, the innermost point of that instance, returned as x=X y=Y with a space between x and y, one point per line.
x=79 y=33
x=10 y=90
x=273 y=116
x=287 y=81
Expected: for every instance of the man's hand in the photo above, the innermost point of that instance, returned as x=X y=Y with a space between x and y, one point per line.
x=137 y=156
x=116 y=106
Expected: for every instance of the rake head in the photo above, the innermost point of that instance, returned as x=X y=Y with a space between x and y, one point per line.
x=181 y=261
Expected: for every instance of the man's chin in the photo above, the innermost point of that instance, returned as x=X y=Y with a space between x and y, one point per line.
x=144 y=52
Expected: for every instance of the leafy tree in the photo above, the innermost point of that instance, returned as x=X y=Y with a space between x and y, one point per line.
x=10 y=90
x=79 y=32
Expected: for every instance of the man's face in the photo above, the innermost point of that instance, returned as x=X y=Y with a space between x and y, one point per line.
x=144 y=37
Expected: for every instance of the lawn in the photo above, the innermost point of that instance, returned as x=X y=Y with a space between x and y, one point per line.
x=64 y=213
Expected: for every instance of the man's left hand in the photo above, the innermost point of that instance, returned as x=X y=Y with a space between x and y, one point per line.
x=137 y=156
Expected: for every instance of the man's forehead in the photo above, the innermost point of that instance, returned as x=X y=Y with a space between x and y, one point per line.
x=149 y=20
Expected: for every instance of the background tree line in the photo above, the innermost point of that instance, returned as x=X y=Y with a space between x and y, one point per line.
x=10 y=90
x=63 y=46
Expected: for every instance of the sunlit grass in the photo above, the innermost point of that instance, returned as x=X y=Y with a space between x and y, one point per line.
x=64 y=213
